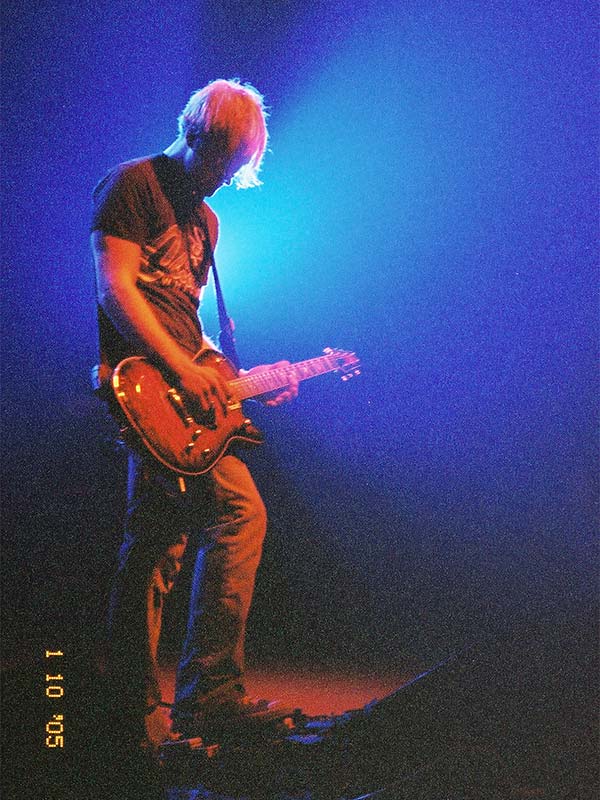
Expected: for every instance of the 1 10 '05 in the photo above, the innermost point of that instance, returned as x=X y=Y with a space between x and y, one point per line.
x=55 y=690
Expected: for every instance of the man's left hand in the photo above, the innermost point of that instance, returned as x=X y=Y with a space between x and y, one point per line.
x=278 y=396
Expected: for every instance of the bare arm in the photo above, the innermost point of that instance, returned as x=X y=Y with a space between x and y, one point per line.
x=117 y=265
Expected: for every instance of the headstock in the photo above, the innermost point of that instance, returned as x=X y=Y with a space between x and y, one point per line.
x=346 y=363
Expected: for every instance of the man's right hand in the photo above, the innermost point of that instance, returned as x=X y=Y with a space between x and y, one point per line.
x=205 y=385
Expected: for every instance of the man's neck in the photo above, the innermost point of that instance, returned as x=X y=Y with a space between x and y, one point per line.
x=179 y=151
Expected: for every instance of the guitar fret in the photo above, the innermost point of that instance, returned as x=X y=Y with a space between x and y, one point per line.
x=263 y=382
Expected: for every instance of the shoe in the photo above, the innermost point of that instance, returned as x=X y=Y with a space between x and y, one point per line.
x=157 y=725
x=233 y=715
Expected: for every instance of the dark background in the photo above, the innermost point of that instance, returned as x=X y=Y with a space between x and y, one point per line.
x=429 y=201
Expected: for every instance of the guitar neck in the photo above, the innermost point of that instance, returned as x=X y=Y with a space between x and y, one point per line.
x=258 y=383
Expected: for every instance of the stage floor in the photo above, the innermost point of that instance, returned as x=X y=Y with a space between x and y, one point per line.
x=315 y=691
x=538 y=738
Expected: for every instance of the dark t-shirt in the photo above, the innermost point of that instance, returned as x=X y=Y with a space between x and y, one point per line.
x=150 y=201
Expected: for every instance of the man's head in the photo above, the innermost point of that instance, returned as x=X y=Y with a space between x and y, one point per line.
x=225 y=125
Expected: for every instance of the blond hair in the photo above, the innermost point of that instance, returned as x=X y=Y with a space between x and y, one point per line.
x=237 y=111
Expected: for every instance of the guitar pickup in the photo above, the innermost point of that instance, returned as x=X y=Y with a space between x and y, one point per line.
x=179 y=406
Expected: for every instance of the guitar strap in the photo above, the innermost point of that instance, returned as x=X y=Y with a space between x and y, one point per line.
x=226 y=337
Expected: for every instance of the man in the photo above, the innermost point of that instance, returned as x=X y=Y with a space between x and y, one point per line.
x=152 y=239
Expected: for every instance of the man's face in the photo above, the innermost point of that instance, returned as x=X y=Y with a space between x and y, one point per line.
x=213 y=163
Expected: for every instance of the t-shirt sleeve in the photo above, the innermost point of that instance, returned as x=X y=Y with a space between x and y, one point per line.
x=121 y=205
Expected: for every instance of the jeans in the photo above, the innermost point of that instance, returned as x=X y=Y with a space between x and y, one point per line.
x=223 y=515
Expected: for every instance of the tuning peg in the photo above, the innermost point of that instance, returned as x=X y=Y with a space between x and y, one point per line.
x=328 y=351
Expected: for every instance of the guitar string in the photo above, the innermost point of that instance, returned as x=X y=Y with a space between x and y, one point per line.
x=264 y=381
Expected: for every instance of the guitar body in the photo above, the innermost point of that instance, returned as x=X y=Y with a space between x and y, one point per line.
x=175 y=429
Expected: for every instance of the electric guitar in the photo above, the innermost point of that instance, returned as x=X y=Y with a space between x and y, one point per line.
x=178 y=432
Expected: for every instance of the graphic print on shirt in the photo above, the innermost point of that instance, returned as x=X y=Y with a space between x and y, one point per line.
x=176 y=258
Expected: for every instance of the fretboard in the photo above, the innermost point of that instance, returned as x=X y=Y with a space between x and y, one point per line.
x=262 y=382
